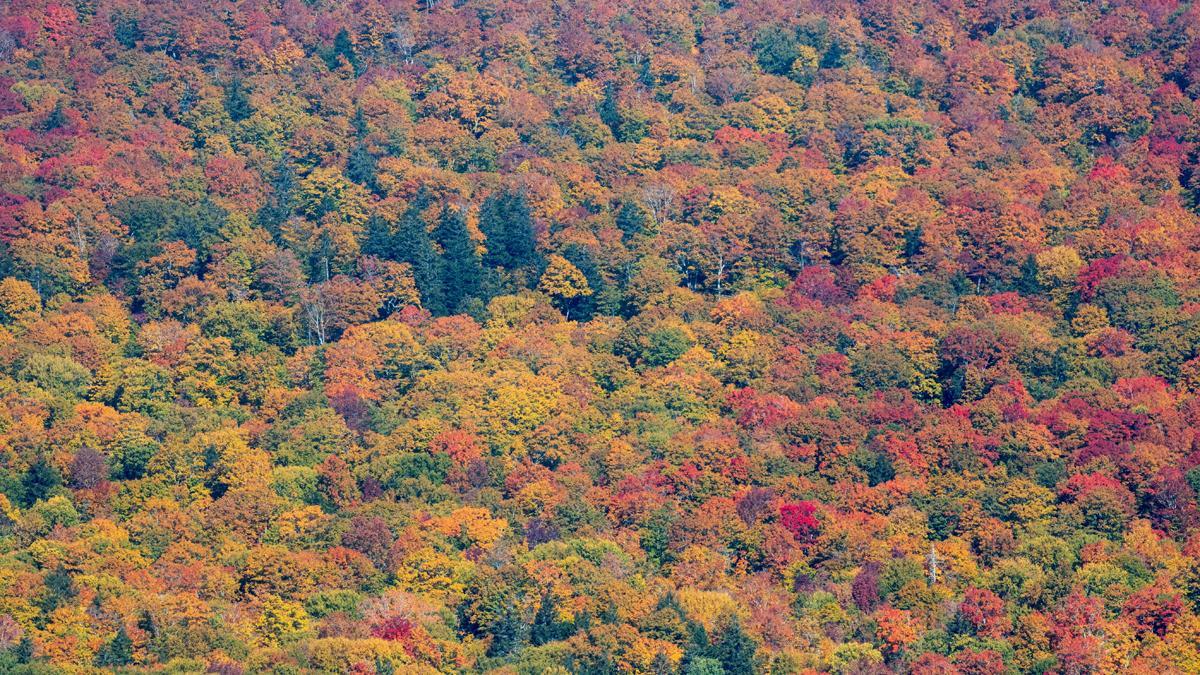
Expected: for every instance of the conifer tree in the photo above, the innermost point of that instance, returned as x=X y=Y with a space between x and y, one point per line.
x=459 y=267
x=507 y=223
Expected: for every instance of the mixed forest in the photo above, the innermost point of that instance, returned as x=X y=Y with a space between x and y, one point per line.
x=686 y=337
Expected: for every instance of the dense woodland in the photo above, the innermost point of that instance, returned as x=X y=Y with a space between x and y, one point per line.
x=585 y=336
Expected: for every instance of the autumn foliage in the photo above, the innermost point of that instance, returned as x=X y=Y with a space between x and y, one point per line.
x=687 y=338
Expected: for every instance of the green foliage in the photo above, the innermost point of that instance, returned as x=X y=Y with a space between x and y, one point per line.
x=460 y=270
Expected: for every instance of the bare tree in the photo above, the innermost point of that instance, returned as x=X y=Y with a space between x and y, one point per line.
x=404 y=39
x=660 y=200
x=315 y=303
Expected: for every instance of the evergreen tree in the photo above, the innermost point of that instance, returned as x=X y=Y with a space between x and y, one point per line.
x=126 y=30
x=509 y=631
x=632 y=219
x=546 y=626
x=343 y=48
x=776 y=48
x=698 y=648
x=118 y=652
x=656 y=536
x=57 y=118
x=39 y=481
x=24 y=650
x=279 y=205
x=57 y=587
x=359 y=123
x=384 y=666
x=413 y=245
x=507 y=223
x=380 y=238
x=734 y=649
x=460 y=269
x=361 y=168
x=237 y=101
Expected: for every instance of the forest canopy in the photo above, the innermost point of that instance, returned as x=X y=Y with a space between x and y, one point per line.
x=711 y=337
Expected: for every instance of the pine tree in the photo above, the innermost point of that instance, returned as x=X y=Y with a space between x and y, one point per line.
x=361 y=168
x=509 y=631
x=40 y=480
x=507 y=223
x=57 y=118
x=632 y=219
x=734 y=649
x=546 y=626
x=359 y=123
x=412 y=244
x=460 y=268
x=23 y=652
x=118 y=652
x=57 y=587
x=237 y=101
x=343 y=48
x=279 y=205
x=379 y=238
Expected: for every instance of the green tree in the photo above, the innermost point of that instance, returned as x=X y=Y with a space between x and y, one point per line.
x=413 y=245
x=505 y=220
x=776 y=49
x=460 y=269
x=546 y=625
x=237 y=101
x=40 y=481
x=117 y=652
x=735 y=649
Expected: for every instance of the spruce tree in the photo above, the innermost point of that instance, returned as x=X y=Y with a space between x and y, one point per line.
x=237 y=101
x=412 y=244
x=39 y=481
x=279 y=205
x=361 y=168
x=118 y=652
x=735 y=649
x=459 y=267
x=507 y=223
x=509 y=631
x=546 y=626
x=632 y=220
x=379 y=238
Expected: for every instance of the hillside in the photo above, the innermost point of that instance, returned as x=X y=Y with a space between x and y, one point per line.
x=672 y=338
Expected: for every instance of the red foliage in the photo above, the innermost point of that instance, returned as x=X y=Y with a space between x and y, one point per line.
x=396 y=628
x=799 y=519
x=985 y=611
x=1153 y=609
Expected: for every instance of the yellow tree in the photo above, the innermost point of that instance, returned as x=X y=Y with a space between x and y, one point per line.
x=335 y=211
x=19 y=302
x=564 y=282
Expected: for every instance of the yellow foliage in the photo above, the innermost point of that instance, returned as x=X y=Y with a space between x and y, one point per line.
x=280 y=621
x=429 y=571
x=707 y=607
x=19 y=303
x=339 y=655
x=475 y=525
x=563 y=280
x=300 y=523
